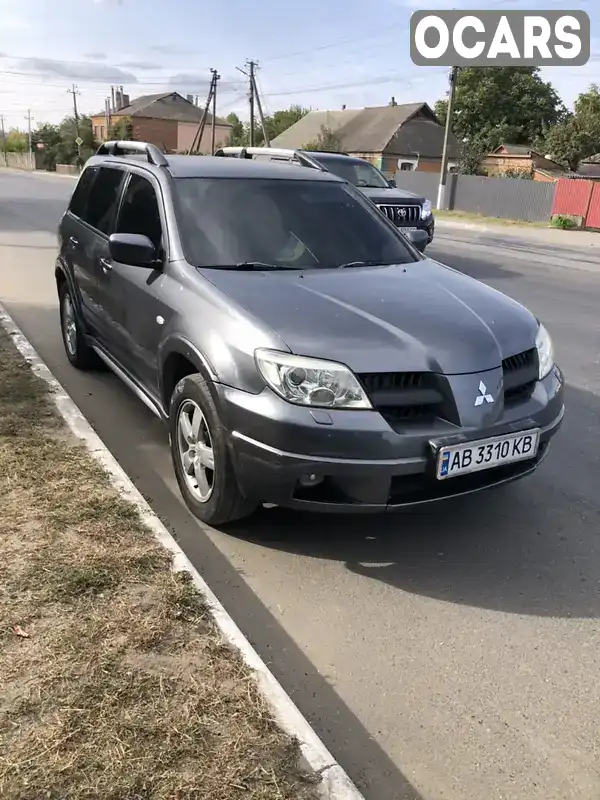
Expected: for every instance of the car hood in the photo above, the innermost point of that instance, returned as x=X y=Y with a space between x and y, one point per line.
x=391 y=195
x=406 y=318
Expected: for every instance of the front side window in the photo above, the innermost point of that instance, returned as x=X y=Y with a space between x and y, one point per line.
x=103 y=199
x=139 y=211
x=79 y=198
x=358 y=173
x=303 y=224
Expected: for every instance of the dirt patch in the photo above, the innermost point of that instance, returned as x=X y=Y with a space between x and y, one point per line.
x=114 y=682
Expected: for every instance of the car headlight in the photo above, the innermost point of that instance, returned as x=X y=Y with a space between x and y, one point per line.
x=311 y=381
x=426 y=209
x=543 y=343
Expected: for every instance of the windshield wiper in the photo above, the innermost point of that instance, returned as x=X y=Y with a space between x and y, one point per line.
x=351 y=264
x=249 y=266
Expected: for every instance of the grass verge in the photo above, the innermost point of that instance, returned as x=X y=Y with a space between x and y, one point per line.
x=114 y=681
x=465 y=216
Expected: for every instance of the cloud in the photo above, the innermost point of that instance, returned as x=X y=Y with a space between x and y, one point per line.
x=166 y=49
x=141 y=65
x=96 y=56
x=74 y=71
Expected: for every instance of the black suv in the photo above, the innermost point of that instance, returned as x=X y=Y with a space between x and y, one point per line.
x=406 y=210
x=302 y=351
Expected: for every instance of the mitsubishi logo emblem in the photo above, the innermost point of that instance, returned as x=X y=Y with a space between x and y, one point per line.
x=483 y=396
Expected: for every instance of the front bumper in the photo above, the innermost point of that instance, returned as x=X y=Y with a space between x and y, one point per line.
x=364 y=464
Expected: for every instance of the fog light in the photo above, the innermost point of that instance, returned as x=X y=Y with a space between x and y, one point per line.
x=310 y=480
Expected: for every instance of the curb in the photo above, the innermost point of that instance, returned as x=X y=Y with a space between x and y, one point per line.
x=335 y=783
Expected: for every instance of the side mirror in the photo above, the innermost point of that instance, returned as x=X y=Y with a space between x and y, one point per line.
x=418 y=239
x=132 y=249
x=392 y=183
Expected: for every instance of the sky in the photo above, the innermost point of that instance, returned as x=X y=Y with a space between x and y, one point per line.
x=321 y=54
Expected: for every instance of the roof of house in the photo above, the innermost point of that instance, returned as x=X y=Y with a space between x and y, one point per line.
x=166 y=105
x=371 y=130
x=589 y=169
x=513 y=150
x=555 y=174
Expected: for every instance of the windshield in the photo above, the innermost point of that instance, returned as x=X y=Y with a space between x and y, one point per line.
x=305 y=224
x=359 y=173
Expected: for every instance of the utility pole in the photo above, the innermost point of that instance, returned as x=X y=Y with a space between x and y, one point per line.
x=197 y=140
x=260 y=111
x=215 y=79
x=74 y=92
x=441 y=198
x=28 y=118
x=107 y=115
x=251 y=66
x=3 y=140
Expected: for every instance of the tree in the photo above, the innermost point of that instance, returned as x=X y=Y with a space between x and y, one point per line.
x=67 y=151
x=326 y=141
x=48 y=136
x=121 y=130
x=275 y=124
x=495 y=105
x=16 y=141
x=279 y=122
x=59 y=141
x=577 y=137
x=239 y=135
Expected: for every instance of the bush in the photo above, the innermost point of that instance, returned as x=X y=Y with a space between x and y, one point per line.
x=564 y=223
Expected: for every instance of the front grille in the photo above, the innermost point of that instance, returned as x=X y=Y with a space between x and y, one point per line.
x=403 y=396
x=402 y=215
x=520 y=376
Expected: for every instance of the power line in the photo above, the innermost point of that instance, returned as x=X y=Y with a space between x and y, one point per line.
x=344 y=40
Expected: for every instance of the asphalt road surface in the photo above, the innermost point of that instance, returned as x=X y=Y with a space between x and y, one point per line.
x=451 y=652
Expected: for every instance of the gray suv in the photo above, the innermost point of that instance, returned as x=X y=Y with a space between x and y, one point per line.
x=301 y=351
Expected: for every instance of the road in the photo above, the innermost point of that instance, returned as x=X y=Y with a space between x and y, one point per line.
x=448 y=653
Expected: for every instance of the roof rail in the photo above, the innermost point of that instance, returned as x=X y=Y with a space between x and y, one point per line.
x=248 y=152
x=152 y=152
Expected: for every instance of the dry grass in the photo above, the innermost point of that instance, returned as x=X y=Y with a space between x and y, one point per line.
x=114 y=683
x=465 y=216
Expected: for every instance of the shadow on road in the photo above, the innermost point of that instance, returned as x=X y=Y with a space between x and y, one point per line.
x=528 y=548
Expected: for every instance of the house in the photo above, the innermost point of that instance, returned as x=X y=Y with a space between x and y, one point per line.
x=512 y=159
x=400 y=137
x=167 y=120
x=590 y=168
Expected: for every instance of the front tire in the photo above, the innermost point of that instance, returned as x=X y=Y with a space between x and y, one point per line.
x=201 y=458
x=79 y=353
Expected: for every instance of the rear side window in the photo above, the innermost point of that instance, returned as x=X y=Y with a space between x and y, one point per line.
x=103 y=199
x=79 y=199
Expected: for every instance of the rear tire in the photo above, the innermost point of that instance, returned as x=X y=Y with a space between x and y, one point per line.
x=78 y=351
x=201 y=457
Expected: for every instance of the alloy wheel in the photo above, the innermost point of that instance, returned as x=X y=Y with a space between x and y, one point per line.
x=69 y=325
x=195 y=448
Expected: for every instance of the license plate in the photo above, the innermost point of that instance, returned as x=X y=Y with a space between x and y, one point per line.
x=461 y=459
x=406 y=229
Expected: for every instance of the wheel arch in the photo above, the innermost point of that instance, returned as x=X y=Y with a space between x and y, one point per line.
x=179 y=358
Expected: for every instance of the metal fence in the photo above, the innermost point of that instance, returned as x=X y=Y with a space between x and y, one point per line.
x=504 y=198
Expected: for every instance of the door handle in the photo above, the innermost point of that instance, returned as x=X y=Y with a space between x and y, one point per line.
x=73 y=241
x=106 y=265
